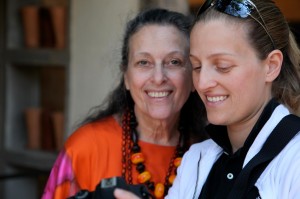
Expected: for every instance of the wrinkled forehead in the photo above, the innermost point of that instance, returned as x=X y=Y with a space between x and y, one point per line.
x=153 y=34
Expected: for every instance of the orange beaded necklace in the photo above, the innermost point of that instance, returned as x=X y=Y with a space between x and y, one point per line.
x=131 y=155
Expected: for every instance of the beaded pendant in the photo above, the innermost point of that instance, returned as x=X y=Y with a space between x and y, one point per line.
x=135 y=157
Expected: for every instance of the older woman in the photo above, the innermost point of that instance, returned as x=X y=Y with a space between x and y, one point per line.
x=150 y=119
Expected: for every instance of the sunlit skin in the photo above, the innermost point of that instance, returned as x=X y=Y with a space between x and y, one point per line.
x=232 y=81
x=159 y=79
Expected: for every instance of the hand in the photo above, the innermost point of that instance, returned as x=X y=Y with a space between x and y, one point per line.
x=123 y=194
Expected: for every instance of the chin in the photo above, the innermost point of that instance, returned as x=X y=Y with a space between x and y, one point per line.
x=216 y=120
x=160 y=115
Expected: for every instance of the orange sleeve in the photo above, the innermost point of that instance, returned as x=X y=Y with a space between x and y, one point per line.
x=88 y=157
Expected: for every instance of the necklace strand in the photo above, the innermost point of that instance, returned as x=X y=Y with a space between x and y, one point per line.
x=131 y=155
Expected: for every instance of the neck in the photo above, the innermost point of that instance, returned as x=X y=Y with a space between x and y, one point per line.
x=158 y=133
x=238 y=133
x=238 y=138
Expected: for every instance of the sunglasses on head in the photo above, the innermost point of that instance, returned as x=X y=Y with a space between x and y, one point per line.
x=236 y=8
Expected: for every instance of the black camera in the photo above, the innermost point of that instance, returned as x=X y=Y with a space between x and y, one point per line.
x=106 y=187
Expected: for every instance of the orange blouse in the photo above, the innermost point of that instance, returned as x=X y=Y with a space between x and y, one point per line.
x=94 y=152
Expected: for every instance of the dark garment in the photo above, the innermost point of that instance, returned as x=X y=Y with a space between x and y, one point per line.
x=228 y=166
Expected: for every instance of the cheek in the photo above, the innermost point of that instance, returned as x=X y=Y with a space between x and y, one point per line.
x=185 y=79
x=134 y=79
x=253 y=78
x=195 y=81
x=245 y=86
x=185 y=86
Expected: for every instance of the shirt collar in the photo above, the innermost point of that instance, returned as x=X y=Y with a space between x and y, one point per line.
x=219 y=134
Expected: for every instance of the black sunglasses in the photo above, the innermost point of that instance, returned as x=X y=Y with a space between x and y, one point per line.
x=236 y=8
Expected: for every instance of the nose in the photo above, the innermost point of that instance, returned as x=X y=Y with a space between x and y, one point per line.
x=159 y=74
x=204 y=80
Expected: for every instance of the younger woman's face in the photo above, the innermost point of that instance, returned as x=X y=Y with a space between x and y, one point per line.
x=227 y=73
x=159 y=73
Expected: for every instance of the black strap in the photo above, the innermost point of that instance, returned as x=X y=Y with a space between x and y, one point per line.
x=285 y=130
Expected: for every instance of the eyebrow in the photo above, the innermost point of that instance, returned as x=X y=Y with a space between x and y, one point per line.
x=214 y=55
x=170 y=53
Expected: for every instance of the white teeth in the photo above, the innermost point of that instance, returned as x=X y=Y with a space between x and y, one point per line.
x=216 y=99
x=158 y=94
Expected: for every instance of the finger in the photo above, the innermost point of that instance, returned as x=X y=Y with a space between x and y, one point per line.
x=123 y=194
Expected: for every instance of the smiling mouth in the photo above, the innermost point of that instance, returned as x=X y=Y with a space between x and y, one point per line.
x=158 y=94
x=216 y=99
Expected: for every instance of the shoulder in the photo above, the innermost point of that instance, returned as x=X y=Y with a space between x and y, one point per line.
x=207 y=148
x=283 y=170
x=194 y=168
x=203 y=147
x=206 y=151
x=291 y=152
x=94 y=133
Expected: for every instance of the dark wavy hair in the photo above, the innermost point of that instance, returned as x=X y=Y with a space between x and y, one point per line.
x=192 y=116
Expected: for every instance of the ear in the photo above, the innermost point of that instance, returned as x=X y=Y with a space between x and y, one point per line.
x=273 y=63
x=126 y=82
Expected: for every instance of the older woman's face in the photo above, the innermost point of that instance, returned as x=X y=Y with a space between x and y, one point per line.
x=227 y=73
x=159 y=72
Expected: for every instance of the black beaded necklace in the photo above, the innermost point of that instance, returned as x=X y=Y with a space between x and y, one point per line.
x=131 y=155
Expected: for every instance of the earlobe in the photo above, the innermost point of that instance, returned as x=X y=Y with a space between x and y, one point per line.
x=274 y=64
